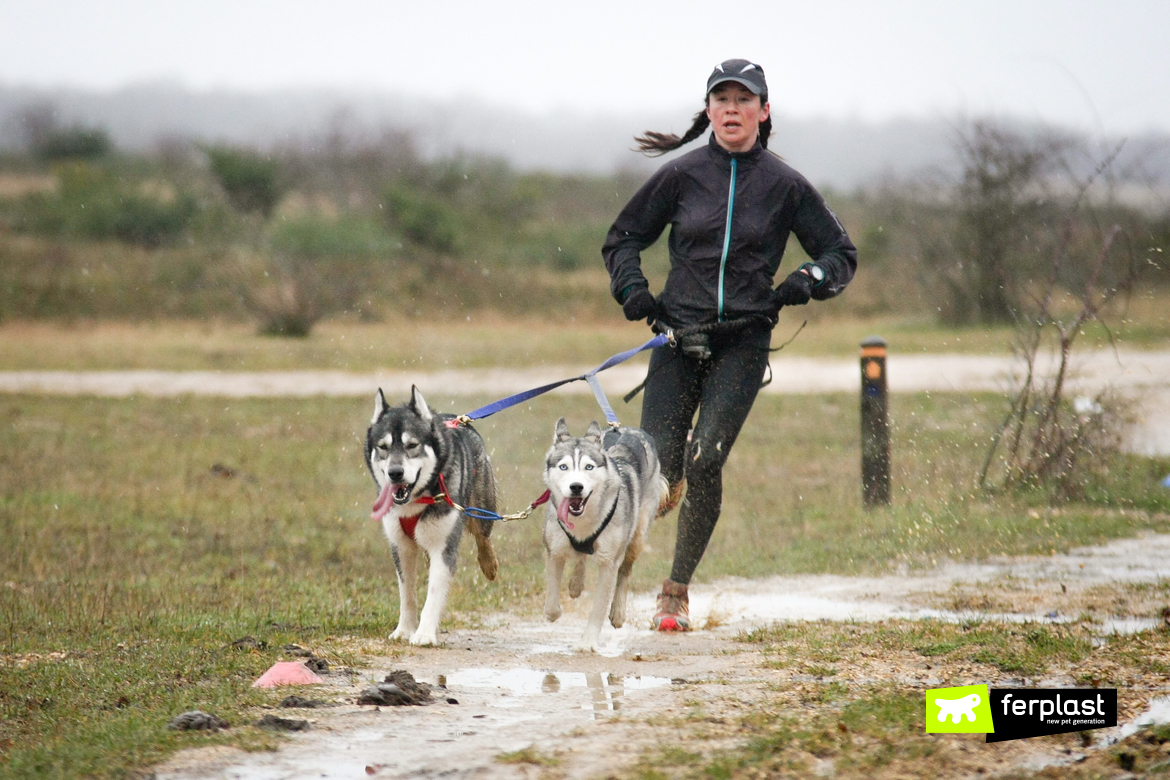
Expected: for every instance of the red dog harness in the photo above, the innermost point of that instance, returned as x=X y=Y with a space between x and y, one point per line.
x=408 y=524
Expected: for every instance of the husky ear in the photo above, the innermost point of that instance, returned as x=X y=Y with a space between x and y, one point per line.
x=419 y=404
x=594 y=432
x=561 y=432
x=379 y=406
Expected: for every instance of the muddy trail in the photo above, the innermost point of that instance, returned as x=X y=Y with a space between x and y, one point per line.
x=511 y=698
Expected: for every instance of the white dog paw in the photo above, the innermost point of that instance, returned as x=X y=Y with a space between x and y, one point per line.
x=588 y=646
x=423 y=638
x=399 y=634
x=552 y=613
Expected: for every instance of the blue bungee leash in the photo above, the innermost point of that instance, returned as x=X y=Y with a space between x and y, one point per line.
x=590 y=377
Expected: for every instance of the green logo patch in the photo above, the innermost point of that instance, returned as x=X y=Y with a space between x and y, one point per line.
x=962 y=710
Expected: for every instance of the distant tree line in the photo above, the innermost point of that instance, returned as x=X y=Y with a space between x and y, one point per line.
x=299 y=232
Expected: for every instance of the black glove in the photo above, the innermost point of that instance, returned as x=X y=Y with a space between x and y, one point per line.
x=796 y=290
x=639 y=304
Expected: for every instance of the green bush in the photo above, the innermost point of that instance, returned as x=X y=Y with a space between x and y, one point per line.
x=251 y=181
x=91 y=203
x=346 y=237
x=72 y=143
x=424 y=219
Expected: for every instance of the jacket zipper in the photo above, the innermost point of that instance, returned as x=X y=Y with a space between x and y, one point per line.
x=726 y=237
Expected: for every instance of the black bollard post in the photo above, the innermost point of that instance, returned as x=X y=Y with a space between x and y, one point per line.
x=875 y=429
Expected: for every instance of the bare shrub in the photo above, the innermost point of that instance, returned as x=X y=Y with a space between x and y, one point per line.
x=284 y=294
x=997 y=213
x=1045 y=440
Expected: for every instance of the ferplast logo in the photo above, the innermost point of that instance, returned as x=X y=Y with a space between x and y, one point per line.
x=962 y=710
x=1018 y=713
x=1037 y=712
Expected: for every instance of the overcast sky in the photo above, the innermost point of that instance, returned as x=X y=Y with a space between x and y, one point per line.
x=1098 y=66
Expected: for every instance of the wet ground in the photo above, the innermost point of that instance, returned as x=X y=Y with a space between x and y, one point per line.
x=511 y=693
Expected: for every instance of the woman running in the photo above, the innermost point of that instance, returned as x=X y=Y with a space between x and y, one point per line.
x=731 y=206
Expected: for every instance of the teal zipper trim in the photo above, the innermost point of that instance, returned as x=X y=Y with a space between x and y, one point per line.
x=726 y=236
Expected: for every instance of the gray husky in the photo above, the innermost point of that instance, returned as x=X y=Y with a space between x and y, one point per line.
x=413 y=455
x=604 y=491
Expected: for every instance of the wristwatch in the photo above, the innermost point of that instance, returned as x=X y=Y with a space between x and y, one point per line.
x=815 y=271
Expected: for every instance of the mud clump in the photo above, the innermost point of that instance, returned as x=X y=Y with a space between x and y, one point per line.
x=386 y=695
x=312 y=661
x=301 y=702
x=197 y=720
x=277 y=723
x=399 y=689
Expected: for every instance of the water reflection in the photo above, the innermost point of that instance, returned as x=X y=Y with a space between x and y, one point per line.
x=606 y=689
x=607 y=692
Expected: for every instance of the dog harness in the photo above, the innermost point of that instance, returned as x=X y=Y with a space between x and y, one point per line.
x=585 y=546
x=408 y=524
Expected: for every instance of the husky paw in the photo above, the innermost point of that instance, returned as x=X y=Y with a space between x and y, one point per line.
x=577 y=581
x=552 y=612
x=423 y=638
x=587 y=645
x=617 y=608
x=400 y=633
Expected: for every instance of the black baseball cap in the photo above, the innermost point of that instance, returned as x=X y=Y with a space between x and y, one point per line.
x=743 y=72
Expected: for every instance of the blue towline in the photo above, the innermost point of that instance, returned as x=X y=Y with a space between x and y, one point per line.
x=589 y=376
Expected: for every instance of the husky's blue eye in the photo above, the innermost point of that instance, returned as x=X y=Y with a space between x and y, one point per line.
x=589 y=467
x=563 y=467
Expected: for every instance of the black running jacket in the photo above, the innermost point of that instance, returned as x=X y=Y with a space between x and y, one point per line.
x=730 y=216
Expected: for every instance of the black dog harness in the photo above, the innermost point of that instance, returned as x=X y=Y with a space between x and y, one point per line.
x=585 y=546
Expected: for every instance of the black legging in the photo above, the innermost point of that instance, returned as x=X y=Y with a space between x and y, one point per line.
x=723 y=389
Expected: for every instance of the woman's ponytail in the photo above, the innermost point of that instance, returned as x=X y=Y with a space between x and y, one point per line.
x=654 y=144
x=765 y=129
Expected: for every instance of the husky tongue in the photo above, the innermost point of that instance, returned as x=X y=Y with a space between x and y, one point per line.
x=563 y=512
x=384 y=502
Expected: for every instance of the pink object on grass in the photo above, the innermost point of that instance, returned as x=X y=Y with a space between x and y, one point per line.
x=287 y=673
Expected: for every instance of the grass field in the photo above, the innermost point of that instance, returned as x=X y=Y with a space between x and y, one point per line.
x=130 y=564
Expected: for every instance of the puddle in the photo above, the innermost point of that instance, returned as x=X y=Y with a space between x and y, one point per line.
x=606 y=690
x=1128 y=625
x=735 y=606
x=1155 y=715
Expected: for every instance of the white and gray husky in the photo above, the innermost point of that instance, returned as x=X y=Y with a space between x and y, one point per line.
x=414 y=455
x=605 y=489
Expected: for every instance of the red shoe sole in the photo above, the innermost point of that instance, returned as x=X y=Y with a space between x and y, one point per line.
x=670 y=624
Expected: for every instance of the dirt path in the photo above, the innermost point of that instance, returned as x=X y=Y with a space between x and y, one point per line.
x=1143 y=375
x=518 y=688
